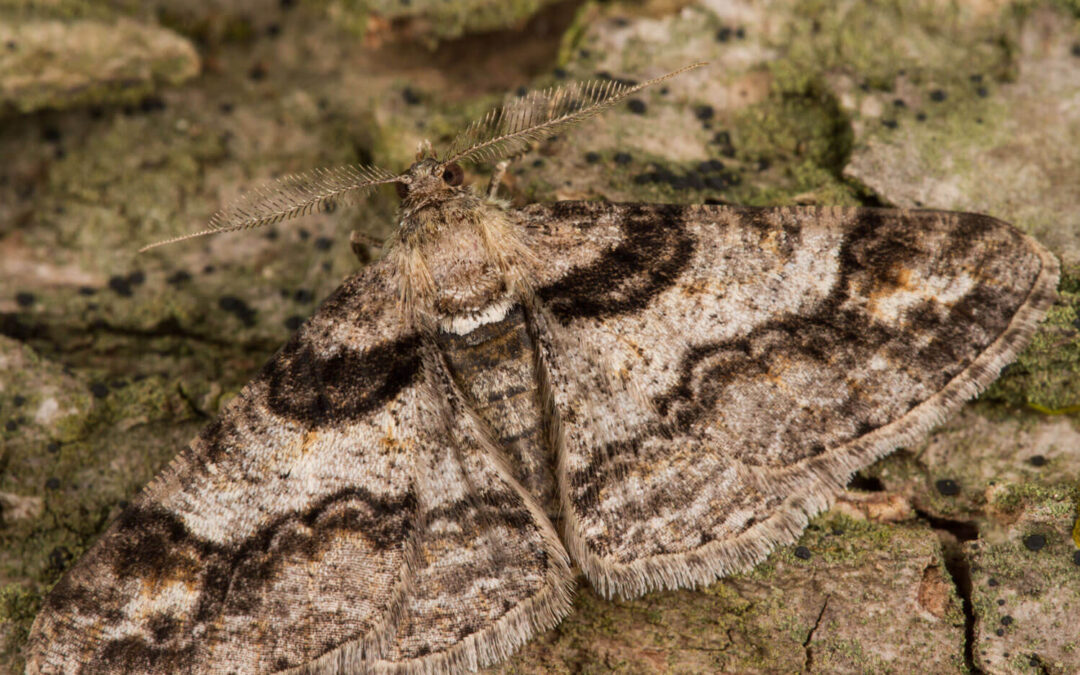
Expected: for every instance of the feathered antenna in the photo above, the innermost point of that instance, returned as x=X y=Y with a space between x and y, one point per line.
x=511 y=128
x=290 y=197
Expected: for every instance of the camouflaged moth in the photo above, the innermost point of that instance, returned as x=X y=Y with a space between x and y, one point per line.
x=657 y=394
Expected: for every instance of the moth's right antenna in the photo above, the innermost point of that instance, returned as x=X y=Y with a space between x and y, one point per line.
x=511 y=128
x=290 y=197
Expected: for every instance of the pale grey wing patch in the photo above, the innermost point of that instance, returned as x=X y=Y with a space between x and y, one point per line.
x=776 y=350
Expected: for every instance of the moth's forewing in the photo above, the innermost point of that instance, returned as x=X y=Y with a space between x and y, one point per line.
x=329 y=517
x=761 y=357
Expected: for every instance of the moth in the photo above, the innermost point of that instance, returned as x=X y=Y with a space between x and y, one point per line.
x=658 y=395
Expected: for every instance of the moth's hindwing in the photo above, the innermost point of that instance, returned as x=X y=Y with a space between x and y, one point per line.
x=718 y=373
x=336 y=518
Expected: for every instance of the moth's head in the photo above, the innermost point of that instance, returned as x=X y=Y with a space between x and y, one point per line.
x=427 y=181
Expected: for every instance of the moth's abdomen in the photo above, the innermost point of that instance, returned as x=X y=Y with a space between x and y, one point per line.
x=492 y=358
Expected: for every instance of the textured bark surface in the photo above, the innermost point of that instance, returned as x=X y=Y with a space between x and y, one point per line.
x=955 y=555
x=50 y=63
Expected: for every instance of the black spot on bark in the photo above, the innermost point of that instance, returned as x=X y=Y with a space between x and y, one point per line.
x=1034 y=542
x=178 y=277
x=59 y=558
x=238 y=308
x=947 y=487
x=120 y=285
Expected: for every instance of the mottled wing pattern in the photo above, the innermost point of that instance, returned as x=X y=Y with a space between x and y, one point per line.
x=337 y=517
x=719 y=372
x=490 y=569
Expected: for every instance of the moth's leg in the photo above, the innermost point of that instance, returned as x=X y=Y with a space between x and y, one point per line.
x=362 y=243
x=500 y=170
x=497 y=176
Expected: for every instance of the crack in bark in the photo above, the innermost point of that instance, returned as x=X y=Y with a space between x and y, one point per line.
x=959 y=569
x=963 y=530
x=809 y=664
x=72 y=345
x=168 y=327
x=12 y=326
x=195 y=409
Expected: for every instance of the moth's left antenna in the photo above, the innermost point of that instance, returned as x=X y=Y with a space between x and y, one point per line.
x=290 y=197
x=510 y=129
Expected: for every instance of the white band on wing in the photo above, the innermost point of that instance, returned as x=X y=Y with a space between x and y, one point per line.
x=465 y=323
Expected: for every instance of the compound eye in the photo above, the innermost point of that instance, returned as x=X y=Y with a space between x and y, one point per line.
x=402 y=189
x=453 y=174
